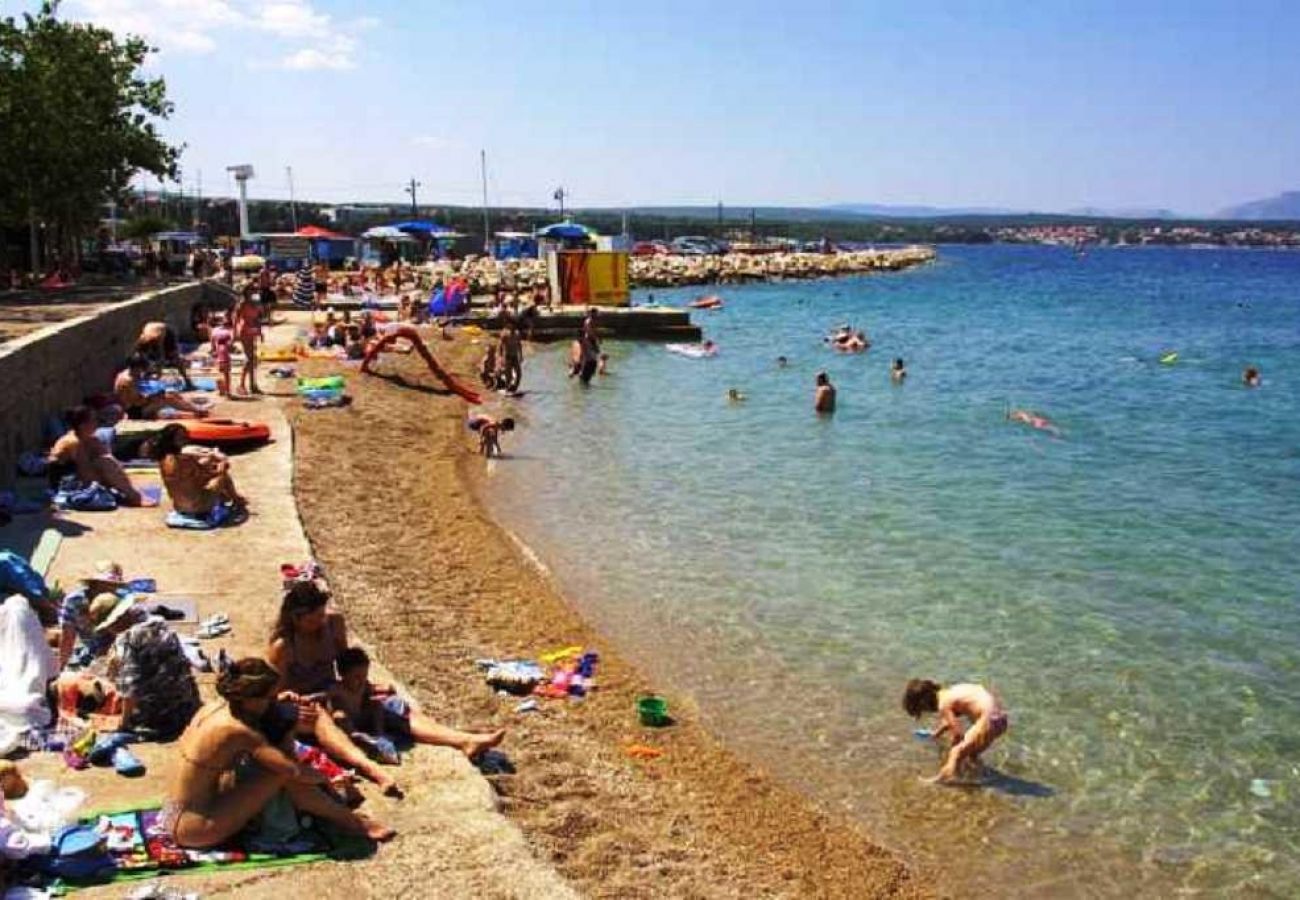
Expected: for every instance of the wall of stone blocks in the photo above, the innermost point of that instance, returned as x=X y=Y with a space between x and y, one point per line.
x=45 y=372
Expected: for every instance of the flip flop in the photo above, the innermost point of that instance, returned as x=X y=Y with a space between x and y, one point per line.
x=101 y=754
x=210 y=630
x=125 y=763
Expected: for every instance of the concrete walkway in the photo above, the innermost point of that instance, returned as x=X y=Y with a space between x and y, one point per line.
x=452 y=840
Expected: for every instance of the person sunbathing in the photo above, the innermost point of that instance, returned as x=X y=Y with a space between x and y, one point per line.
x=307 y=638
x=126 y=387
x=80 y=452
x=373 y=714
x=233 y=761
x=197 y=478
x=158 y=344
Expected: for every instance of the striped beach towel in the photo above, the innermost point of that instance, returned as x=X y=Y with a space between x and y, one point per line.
x=304 y=293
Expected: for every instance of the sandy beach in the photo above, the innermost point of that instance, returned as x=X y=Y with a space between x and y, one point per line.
x=387 y=493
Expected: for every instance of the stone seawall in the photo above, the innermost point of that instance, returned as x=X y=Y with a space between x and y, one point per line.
x=43 y=373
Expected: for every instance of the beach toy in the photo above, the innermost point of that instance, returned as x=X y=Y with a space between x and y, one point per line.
x=226 y=433
x=641 y=751
x=327 y=382
x=1168 y=359
x=922 y=734
x=652 y=711
x=555 y=656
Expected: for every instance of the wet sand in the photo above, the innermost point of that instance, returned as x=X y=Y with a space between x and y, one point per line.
x=386 y=490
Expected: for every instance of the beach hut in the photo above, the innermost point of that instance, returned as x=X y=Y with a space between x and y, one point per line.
x=437 y=238
x=327 y=246
x=384 y=245
x=514 y=245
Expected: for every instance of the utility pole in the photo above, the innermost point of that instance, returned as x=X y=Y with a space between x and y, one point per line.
x=487 y=233
x=198 y=205
x=753 y=224
x=411 y=189
x=293 y=207
x=559 y=195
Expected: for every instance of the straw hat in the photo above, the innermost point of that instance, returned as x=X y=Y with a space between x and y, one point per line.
x=106 y=573
x=106 y=610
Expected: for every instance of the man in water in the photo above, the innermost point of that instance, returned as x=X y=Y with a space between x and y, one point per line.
x=898 y=371
x=824 y=398
x=782 y=362
x=984 y=715
x=1250 y=377
x=1034 y=420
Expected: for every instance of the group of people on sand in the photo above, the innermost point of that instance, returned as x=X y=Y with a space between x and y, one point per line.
x=197 y=479
x=311 y=690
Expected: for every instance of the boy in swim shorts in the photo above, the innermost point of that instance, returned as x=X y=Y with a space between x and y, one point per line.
x=986 y=721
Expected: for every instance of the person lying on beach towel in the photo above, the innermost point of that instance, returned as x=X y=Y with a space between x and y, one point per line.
x=196 y=478
x=307 y=638
x=126 y=387
x=92 y=615
x=79 y=452
x=233 y=760
x=374 y=715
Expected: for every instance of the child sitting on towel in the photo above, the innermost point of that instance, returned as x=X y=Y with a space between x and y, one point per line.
x=382 y=722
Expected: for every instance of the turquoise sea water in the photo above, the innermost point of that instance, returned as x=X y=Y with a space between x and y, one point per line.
x=1132 y=590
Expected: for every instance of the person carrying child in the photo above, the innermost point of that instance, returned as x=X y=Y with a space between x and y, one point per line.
x=986 y=721
x=377 y=719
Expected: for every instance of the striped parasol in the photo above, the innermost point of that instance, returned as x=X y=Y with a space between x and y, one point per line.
x=304 y=293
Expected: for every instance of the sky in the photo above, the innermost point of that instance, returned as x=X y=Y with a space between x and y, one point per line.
x=1042 y=105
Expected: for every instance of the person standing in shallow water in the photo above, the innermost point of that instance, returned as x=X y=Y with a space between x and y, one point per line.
x=824 y=398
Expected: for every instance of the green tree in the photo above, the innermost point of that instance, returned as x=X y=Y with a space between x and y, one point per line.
x=77 y=121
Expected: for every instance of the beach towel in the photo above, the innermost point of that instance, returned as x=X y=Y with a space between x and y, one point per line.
x=26 y=666
x=84 y=497
x=222 y=516
x=140 y=848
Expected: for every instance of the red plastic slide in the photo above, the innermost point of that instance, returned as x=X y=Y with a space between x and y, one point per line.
x=409 y=332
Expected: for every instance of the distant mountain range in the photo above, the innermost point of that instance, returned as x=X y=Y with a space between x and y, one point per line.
x=887 y=211
x=1284 y=206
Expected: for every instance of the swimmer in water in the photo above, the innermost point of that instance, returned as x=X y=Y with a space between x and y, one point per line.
x=1034 y=420
x=898 y=371
x=1250 y=377
x=986 y=721
x=782 y=362
x=824 y=398
x=736 y=396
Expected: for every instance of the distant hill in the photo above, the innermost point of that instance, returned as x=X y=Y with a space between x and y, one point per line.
x=886 y=211
x=1285 y=206
x=1136 y=212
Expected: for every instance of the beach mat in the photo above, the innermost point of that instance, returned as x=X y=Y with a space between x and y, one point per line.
x=142 y=850
x=46 y=548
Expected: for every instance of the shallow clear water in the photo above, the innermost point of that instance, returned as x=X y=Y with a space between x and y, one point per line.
x=1129 y=589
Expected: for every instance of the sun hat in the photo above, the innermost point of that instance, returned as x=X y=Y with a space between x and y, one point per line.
x=106 y=572
x=120 y=608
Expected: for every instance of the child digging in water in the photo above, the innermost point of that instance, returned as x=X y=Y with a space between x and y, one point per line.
x=489 y=433
x=986 y=718
x=378 y=719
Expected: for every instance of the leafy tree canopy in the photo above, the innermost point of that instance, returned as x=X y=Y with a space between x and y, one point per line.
x=77 y=118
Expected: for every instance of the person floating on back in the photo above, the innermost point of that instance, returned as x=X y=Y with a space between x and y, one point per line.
x=824 y=398
x=985 y=721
